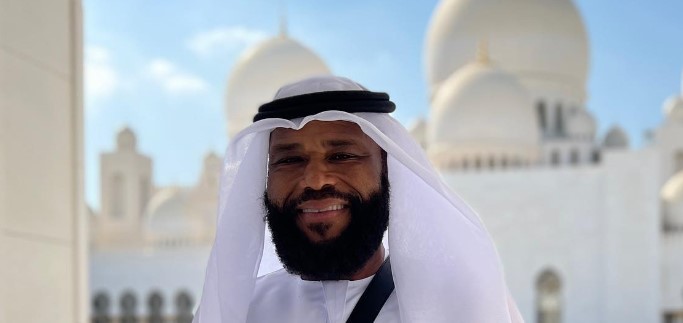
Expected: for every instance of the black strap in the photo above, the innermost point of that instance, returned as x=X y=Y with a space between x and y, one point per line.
x=311 y=103
x=374 y=297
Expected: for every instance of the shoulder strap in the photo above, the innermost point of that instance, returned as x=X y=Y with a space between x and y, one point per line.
x=374 y=297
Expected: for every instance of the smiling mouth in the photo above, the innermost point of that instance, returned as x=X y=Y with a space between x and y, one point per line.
x=326 y=209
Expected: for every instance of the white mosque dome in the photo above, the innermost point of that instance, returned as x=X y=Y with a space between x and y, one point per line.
x=581 y=124
x=673 y=108
x=126 y=140
x=169 y=203
x=672 y=196
x=468 y=123
x=169 y=212
x=261 y=71
x=534 y=38
x=616 y=138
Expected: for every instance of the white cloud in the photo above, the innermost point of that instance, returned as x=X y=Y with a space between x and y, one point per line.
x=221 y=40
x=101 y=79
x=161 y=68
x=174 y=81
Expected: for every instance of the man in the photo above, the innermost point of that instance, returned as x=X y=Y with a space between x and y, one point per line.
x=329 y=170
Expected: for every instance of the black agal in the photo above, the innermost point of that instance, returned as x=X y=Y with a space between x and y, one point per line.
x=309 y=104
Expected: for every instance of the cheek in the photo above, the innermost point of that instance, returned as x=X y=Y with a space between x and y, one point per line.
x=365 y=180
x=280 y=185
x=274 y=189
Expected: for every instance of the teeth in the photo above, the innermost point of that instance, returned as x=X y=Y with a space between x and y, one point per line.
x=329 y=208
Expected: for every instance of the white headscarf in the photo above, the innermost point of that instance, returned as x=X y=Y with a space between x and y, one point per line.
x=445 y=265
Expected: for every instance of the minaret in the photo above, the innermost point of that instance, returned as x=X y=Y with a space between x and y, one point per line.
x=204 y=198
x=126 y=181
x=208 y=181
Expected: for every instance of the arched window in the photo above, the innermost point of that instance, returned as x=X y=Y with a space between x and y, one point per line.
x=673 y=317
x=678 y=162
x=574 y=157
x=555 y=158
x=101 y=305
x=559 y=121
x=548 y=298
x=184 y=305
x=129 y=305
x=118 y=197
x=155 y=307
x=465 y=164
x=477 y=163
x=540 y=111
x=492 y=162
x=503 y=163
x=595 y=157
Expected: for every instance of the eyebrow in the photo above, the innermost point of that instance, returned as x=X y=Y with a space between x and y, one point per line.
x=339 y=143
x=279 y=148
x=336 y=143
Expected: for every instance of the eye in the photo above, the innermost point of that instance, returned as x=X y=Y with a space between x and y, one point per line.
x=341 y=156
x=288 y=160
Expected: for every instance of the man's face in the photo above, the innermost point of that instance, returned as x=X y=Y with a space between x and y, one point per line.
x=322 y=154
x=327 y=199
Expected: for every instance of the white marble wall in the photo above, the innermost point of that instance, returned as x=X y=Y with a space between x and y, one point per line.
x=42 y=245
x=672 y=272
x=593 y=226
x=632 y=241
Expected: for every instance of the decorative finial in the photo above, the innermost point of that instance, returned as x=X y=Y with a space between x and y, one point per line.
x=283 y=19
x=483 y=51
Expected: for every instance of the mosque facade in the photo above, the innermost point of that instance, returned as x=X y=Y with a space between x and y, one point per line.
x=588 y=229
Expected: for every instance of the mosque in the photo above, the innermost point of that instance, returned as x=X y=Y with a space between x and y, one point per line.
x=588 y=229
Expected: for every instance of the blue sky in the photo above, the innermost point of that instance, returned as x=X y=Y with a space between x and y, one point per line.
x=161 y=66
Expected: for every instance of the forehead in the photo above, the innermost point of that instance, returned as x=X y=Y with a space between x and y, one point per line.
x=321 y=130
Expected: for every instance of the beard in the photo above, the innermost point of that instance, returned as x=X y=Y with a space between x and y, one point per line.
x=336 y=258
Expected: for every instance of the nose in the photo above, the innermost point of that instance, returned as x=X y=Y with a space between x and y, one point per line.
x=317 y=175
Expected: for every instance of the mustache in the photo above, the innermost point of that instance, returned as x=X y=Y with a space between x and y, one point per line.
x=327 y=191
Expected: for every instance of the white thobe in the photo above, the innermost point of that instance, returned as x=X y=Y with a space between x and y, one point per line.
x=286 y=298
